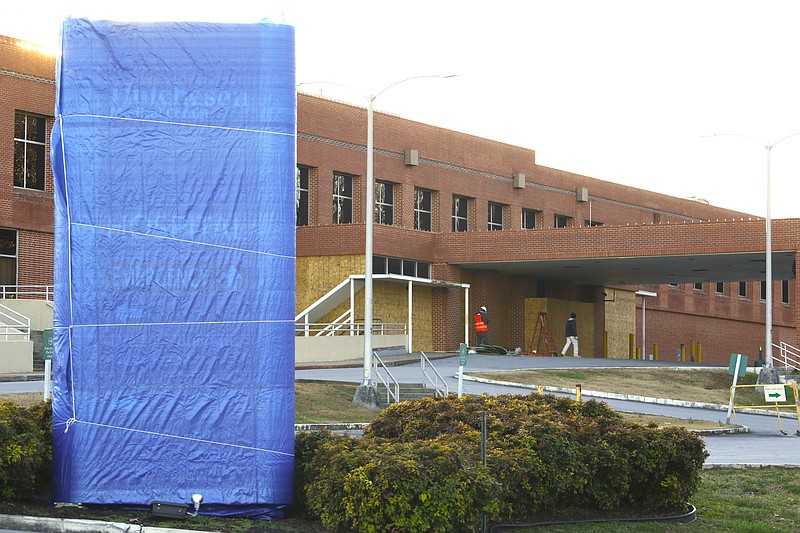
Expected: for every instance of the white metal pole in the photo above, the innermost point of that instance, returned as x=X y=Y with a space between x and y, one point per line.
x=410 y=316
x=644 y=327
x=466 y=316
x=368 y=250
x=768 y=352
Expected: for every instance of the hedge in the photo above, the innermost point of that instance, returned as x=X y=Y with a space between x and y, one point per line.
x=418 y=466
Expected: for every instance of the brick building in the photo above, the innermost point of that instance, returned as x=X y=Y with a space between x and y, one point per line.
x=456 y=210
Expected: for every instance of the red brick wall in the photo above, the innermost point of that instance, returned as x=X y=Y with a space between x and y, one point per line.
x=26 y=84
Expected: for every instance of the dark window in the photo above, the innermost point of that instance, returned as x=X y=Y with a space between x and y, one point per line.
x=422 y=209
x=591 y=223
x=301 y=196
x=384 y=203
x=8 y=257
x=395 y=265
x=342 y=198
x=529 y=218
x=785 y=291
x=560 y=221
x=460 y=213
x=406 y=267
x=743 y=289
x=698 y=286
x=720 y=288
x=495 y=216
x=763 y=290
x=29 y=151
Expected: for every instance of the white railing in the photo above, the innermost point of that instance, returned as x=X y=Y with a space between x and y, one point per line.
x=14 y=325
x=321 y=329
x=26 y=292
x=787 y=356
x=425 y=364
x=391 y=384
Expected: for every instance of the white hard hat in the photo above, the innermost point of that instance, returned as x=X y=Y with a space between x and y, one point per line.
x=483 y=308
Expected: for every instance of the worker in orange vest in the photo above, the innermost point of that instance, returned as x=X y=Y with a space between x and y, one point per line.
x=482 y=326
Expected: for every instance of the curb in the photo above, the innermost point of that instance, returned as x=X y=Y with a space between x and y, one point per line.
x=75 y=525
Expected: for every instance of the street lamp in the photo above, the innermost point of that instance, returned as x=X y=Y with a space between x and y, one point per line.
x=768 y=147
x=367 y=393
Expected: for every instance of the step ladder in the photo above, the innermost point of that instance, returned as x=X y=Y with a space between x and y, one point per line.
x=542 y=333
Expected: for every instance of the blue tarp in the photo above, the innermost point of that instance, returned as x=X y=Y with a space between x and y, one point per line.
x=174 y=161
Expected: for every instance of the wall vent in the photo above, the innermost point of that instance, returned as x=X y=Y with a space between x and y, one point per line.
x=582 y=194
x=519 y=180
x=412 y=157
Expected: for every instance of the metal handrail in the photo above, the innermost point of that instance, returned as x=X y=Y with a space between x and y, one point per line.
x=26 y=292
x=386 y=382
x=424 y=363
x=356 y=328
x=336 y=325
x=789 y=354
x=19 y=325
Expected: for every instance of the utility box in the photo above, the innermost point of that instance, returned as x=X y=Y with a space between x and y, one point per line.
x=582 y=194
x=411 y=157
x=519 y=180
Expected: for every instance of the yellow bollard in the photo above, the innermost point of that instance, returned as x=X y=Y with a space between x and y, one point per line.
x=655 y=351
x=691 y=351
x=682 y=357
x=578 y=392
x=605 y=344
x=699 y=352
x=631 y=351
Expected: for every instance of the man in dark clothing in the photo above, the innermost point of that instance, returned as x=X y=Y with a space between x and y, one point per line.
x=482 y=326
x=571 y=332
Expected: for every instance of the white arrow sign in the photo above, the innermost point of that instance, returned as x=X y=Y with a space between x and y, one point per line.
x=775 y=393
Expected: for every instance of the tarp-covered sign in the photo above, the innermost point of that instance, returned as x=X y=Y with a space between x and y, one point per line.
x=174 y=162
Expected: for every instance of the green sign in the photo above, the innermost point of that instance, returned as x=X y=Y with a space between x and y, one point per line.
x=462 y=354
x=47 y=347
x=742 y=369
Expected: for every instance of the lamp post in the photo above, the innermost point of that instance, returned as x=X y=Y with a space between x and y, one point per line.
x=366 y=393
x=768 y=322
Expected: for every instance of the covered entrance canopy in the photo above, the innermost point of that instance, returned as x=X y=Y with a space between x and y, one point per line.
x=612 y=271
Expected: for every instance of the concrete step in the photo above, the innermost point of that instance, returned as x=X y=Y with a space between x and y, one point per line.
x=409 y=391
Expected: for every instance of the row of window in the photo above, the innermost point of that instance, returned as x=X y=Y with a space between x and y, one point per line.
x=720 y=289
x=423 y=201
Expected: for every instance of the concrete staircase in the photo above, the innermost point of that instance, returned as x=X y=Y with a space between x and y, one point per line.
x=408 y=391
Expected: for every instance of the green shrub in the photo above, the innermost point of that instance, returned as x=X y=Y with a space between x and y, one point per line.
x=418 y=466
x=25 y=450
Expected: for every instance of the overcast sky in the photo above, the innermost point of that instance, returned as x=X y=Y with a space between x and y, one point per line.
x=621 y=90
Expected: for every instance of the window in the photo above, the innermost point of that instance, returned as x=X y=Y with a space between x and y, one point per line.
x=342 y=198
x=698 y=286
x=560 y=221
x=29 y=151
x=785 y=291
x=743 y=289
x=720 y=288
x=384 y=203
x=422 y=209
x=763 y=290
x=495 y=216
x=8 y=257
x=301 y=196
x=530 y=219
x=406 y=267
x=459 y=213
x=592 y=223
